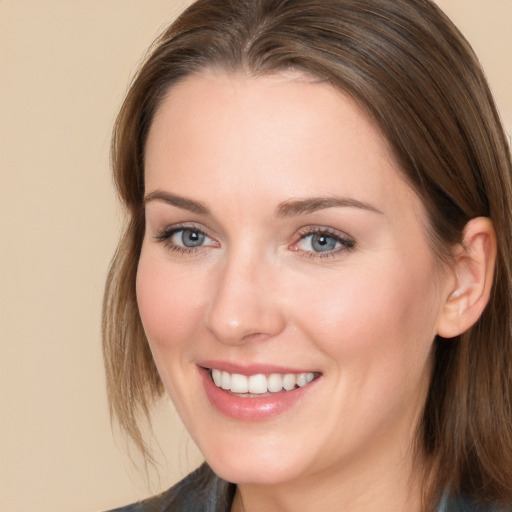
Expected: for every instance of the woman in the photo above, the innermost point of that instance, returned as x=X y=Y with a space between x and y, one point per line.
x=316 y=266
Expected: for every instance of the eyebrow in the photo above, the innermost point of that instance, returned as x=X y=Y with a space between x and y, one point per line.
x=295 y=207
x=290 y=208
x=178 y=201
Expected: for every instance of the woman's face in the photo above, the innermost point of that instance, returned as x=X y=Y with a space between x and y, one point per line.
x=282 y=246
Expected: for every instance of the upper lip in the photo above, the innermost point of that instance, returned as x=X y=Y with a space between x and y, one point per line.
x=251 y=368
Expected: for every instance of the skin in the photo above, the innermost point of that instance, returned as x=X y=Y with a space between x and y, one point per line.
x=256 y=291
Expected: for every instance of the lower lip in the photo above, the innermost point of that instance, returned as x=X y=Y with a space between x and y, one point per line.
x=248 y=408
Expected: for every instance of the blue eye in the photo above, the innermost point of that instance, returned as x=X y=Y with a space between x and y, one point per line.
x=188 y=238
x=323 y=242
x=185 y=239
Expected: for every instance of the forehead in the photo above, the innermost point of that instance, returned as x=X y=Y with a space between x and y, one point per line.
x=284 y=134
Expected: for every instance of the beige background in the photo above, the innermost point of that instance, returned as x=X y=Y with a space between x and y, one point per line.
x=65 y=65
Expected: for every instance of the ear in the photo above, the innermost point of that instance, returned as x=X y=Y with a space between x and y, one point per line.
x=473 y=272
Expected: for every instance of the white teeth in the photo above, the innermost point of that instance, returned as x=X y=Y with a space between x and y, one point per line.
x=275 y=382
x=301 y=380
x=217 y=377
x=259 y=384
x=239 y=383
x=289 y=381
x=304 y=378
x=225 y=382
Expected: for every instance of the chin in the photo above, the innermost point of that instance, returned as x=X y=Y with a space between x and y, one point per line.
x=256 y=465
x=249 y=473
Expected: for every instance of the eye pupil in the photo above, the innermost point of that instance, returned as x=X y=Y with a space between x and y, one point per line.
x=192 y=238
x=322 y=242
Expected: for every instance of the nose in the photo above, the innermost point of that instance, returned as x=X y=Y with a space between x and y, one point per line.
x=246 y=305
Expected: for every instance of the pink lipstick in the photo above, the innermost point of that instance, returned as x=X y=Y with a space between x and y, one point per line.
x=254 y=392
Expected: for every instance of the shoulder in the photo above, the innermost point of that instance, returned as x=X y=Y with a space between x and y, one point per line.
x=201 y=491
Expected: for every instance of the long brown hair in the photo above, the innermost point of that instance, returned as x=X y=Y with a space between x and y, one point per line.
x=408 y=66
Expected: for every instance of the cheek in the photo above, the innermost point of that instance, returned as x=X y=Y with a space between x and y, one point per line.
x=377 y=333
x=381 y=317
x=169 y=303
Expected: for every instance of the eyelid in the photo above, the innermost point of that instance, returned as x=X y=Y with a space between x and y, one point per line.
x=169 y=230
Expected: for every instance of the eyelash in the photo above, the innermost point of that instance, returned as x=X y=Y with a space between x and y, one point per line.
x=166 y=235
x=346 y=243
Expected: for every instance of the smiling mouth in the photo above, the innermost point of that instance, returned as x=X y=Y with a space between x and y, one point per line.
x=260 y=384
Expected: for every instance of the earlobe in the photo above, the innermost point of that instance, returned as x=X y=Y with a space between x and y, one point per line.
x=473 y=269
